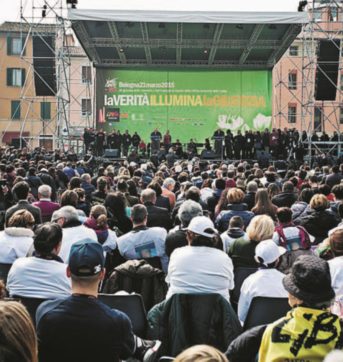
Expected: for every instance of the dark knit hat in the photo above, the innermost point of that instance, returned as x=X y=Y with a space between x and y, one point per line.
x=310 y=280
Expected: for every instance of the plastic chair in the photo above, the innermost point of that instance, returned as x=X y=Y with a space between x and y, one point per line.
x=31 y=305
x=265 y=310
x=4 y=270
x=132 y=305
x=240 y=274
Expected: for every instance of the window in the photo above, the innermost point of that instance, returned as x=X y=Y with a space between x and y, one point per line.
x=318 y=116
x=15 y=77
x=293 y=50
x=15 y=109
x=45 y=110
x=292 y=80
x=86 y=107
x=292 y=113
x=317 y=15
x=86 y=74
x=333 y=14
x=14 y=46
x=341 y=115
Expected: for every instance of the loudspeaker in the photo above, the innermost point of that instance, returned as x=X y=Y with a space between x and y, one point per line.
x=327 y=70
x=208 y=155
x=44 y=65
x=109 y=153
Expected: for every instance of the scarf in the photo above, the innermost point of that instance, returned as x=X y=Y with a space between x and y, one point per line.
x=102 y=234
x=305 y=334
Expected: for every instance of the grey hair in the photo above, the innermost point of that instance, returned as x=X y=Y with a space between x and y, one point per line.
x=168 y=181
x=148 y=195
x=85 y=177
x=188 y=210
x=252 y=186
x=45 y=191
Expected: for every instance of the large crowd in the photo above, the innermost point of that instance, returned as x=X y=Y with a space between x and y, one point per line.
x=180 y=234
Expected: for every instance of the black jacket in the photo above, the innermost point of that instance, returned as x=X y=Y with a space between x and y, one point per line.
x=188 y=319
x=249 y=199
x=175 y=239
x=158 y=216
x=24 y=204
x=284 y=199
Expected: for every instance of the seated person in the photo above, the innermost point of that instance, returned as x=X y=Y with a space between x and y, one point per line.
x=266 y=282
x=234 y=232
x=44 y=274
x=201 y=266
x=17 y=238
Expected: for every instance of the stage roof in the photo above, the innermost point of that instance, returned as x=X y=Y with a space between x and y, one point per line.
x=157 y=38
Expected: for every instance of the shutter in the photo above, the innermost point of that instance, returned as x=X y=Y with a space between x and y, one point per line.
x=9 y=45
x=9 y=76
x=23 y=77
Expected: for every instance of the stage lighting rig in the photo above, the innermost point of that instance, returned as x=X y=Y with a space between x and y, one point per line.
x=72 y=3
x=302 y=5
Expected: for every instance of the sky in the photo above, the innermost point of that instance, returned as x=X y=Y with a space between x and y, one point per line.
x=11 y=11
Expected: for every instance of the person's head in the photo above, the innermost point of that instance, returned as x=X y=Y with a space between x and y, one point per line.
x=267 y=253
x=122 y=186
x=284 y=215
x=65 y=215
x=262 y=197
x=99 y=213
x=69 y=198
x=219 y=184
x=319 y=202
x=201 y=232
x=336 y=242
x=21 y=219
x=288 y=187
x=201 y=353
x=86 y=178
x=18 y=341
x=193 y=193
x=48 y=239
x=309 y=283
x=261 y=228
x=148 y=195
x=44 y=192
x=273 y=189
x=188 y=210
x=235 y=196
x=74 y=183
x=116 y=203
x=81 y=194
x=139 y=215
x=252 y=186
x=21 y=190
x=101 y=184
x=86 y=266
x=154 y=185
x=169 y=183
x=335 y=169
x=306 y=195
x=236 y=222
x=337 y=190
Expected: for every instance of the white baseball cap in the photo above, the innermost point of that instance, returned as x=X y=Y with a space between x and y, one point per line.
x=199 y=224
x=268 y=251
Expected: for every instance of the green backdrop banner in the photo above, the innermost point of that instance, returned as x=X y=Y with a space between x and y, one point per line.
x=191 y=104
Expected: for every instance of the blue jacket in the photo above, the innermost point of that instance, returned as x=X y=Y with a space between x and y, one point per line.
x=223 y=219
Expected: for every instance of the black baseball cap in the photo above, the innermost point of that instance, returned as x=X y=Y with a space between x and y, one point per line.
x=86 y=258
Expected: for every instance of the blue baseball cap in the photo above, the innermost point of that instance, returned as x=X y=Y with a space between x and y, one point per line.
x=86 y=258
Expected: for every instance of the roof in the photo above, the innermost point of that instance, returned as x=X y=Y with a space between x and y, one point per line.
x=17 y=27
x=76 y=51
x=218 y=39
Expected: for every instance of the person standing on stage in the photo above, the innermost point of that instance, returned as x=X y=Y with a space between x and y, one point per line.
x=218 y=137
x=167 y=141
x=155 y=138
x=126 y=140
x=87 y=138
x=116 y=140
x=266 y=140
x=135 y=140
x=100 y=141
x=110 y=139
x=228 y=140
x=238 y=144
x=191 y=149
x=249 y=144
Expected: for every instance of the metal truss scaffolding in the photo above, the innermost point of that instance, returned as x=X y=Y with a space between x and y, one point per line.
x=295 y=96
x=41 y=19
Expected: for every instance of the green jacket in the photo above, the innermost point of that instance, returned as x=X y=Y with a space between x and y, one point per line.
x=188 y=319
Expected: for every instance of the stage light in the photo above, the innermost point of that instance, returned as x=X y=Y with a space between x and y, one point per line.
x=205 y=51
x=72 y=3
x=302 y=5
x=121 y=50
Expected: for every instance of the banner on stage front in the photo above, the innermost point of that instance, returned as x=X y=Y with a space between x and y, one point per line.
x=190 y=104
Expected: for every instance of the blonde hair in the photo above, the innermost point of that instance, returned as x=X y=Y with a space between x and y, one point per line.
x=261 y=227
x=202 y=353
x=235 y=195
x=17 y=334
x=21 y=218
x=319 y=201
x=99 y=213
